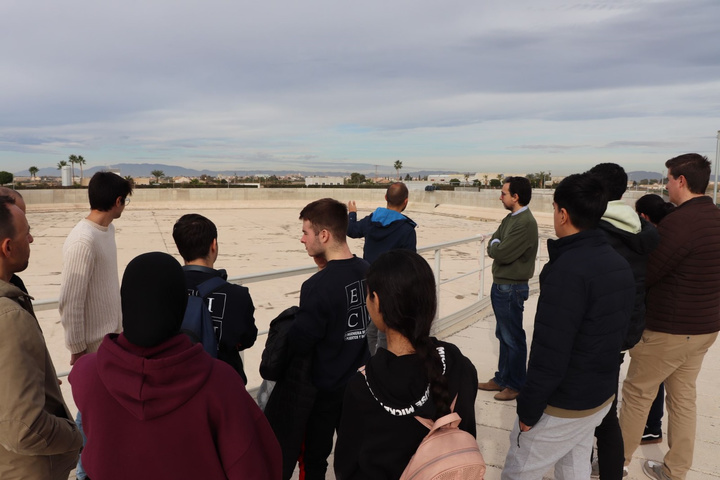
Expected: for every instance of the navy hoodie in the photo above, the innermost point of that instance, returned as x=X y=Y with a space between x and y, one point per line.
x=383 y=230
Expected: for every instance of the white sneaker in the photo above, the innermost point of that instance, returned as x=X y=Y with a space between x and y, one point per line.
x=654 y=470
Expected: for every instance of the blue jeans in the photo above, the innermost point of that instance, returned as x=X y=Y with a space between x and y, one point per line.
x=80 y=471
x=508 y=304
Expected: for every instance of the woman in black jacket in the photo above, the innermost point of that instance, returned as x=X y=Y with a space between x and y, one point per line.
x=417 y=375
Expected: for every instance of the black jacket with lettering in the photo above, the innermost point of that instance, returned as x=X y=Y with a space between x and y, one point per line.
x=232 y=311
x=375 y=442
x=331 y=322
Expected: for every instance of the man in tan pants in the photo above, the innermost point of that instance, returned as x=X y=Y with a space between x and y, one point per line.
x=682 y=319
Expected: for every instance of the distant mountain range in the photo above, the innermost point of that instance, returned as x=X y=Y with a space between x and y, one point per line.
x=637 y=176
x=144 y=169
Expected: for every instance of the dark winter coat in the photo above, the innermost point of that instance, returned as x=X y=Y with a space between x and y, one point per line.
x=587 y=294
x=232 y=312
x=635 y=248
x=293 y=396
x=683 y=273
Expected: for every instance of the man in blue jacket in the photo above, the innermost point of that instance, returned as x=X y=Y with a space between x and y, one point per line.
x=587 y=294
x=385 y=229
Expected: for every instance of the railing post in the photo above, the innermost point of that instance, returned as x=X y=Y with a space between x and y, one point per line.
x=481 y=290
x=437 y=282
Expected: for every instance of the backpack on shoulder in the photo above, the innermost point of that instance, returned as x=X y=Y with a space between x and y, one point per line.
x=446 y=453
x=198 y=323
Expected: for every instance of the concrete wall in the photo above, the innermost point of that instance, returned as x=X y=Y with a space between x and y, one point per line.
x=235 y=197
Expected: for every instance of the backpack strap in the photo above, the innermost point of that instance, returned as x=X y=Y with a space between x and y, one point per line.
x=442 y=421
x=209 y=286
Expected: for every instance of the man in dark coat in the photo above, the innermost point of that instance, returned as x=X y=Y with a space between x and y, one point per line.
x=682 y=320
x=586 y=298
x=634 y=239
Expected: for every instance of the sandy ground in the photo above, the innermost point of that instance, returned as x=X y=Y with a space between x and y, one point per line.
x=264 y=237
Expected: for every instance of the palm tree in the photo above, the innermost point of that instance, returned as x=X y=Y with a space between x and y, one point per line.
x=157 y=174
x=61 y=163
x=397 y=166
x=33 y=170
x=80 y=161
x=73 y=160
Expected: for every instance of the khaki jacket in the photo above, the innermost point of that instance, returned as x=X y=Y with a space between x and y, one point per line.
x=38 y=438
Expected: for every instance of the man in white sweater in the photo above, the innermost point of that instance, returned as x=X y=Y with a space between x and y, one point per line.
x=89 y=288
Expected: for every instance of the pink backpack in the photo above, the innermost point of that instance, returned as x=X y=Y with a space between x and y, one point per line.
x=446 y=453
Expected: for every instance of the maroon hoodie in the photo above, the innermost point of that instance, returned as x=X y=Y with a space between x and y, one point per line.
x=169 y=411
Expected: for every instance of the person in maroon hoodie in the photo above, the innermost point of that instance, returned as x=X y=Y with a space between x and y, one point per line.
x=156 y=406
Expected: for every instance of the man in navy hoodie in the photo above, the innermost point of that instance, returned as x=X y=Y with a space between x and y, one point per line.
x=385 y=229
x=587 y=294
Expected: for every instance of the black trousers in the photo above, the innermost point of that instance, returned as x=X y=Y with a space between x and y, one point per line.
x=321 y=427
x=610 y=446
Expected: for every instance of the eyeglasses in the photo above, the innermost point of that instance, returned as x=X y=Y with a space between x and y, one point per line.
x=126 y=201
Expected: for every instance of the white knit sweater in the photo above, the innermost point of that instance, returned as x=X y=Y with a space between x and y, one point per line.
x=89 y=289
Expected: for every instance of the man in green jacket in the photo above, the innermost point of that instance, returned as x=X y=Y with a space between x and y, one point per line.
x=513 y=248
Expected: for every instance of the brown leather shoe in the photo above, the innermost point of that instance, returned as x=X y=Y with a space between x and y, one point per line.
x=490 y=386
x=506 y=395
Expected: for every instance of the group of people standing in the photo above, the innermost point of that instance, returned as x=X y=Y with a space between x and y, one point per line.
x=154 y=405
x=645 y=282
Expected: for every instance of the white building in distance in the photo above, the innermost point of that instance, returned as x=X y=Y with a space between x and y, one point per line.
x=324 y=181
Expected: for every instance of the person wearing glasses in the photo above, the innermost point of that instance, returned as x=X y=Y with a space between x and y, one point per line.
x=89 y=301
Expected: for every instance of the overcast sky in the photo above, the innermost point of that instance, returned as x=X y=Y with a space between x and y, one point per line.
x=511 y=85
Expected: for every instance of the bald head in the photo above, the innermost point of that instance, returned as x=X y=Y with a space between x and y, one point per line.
x=15 y=195
x=397 y=196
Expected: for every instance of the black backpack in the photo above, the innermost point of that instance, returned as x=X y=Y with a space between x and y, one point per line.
x=198 y=323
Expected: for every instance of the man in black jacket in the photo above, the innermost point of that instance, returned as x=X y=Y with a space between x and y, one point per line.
x=586 y=297
x=330 y=325
x=230 y=305
x=634 y=239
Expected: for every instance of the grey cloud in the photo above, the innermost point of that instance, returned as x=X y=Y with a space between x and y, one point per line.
x=550 y=147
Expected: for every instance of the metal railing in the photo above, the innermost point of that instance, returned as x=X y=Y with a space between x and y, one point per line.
x=439 y=325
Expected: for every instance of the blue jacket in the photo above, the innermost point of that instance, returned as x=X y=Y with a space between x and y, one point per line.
x=587 y=294
x=383 y=230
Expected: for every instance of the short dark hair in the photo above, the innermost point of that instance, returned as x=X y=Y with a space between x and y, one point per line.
x=654 y=207
x=7 y=227
x=584 y=198
x=328 y=214
x=104 y=189
x=405 y=285
x=193 y=235
x=396 y=194
x=9 y=192
x=613 y=178
x=694 y=167
x=520 y=186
